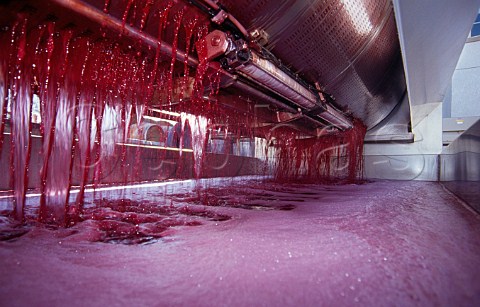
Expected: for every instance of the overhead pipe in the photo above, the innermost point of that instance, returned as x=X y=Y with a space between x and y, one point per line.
x=330 y=115
x=242 y=86
x=270 y=76
x=117 y=25
x=335 y=117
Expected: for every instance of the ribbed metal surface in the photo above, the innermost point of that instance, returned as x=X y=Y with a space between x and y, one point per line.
x=350 y=47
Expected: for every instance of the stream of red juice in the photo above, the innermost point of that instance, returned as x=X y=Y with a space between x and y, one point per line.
x=178 y=22
x=21 y=123
x=334 y=157
x=57 y=187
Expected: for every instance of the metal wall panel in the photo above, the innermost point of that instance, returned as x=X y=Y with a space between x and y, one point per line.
x=402 y=167
x=460 y=166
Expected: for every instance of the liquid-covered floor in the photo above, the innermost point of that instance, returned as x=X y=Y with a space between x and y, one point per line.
x=380 y=243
